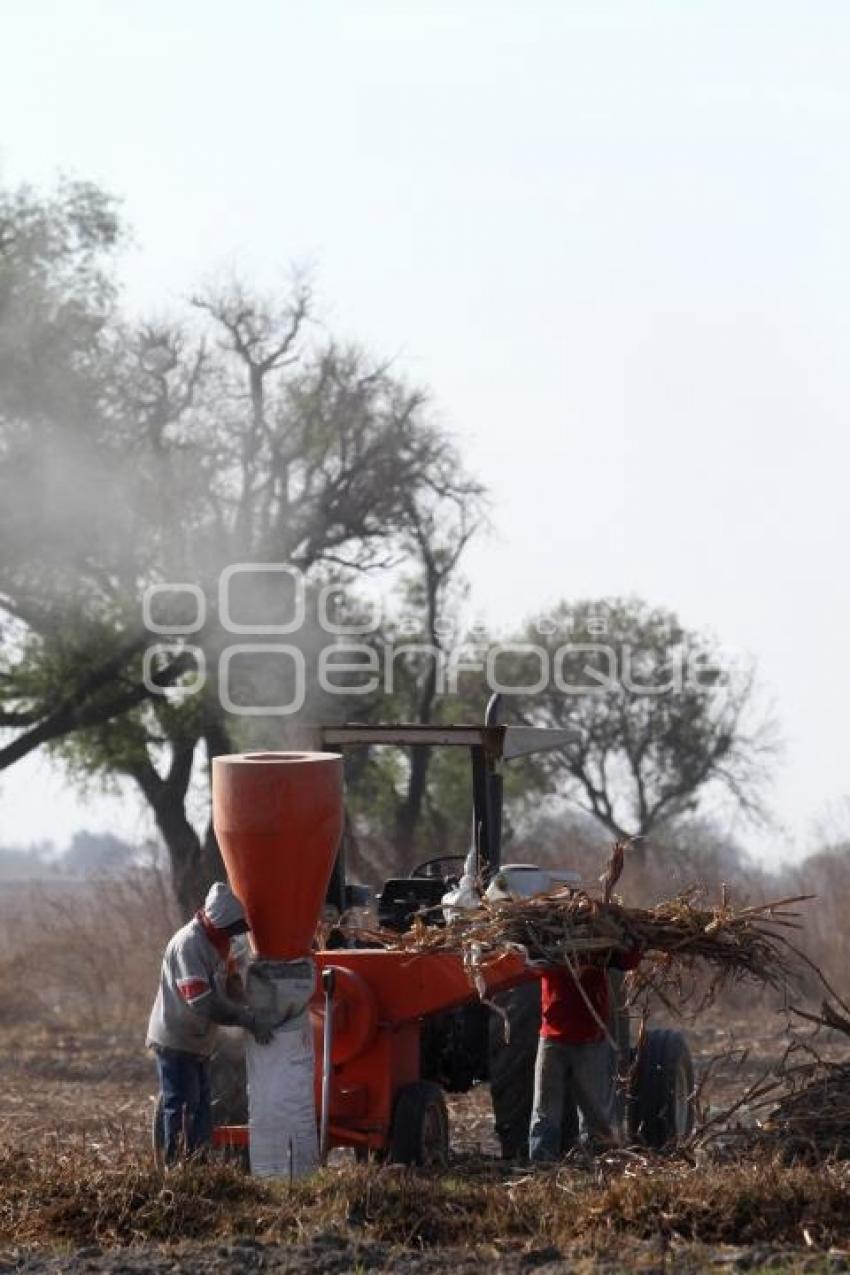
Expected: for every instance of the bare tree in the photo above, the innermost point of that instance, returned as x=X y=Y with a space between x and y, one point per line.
x=441 y=520
x=660 y=719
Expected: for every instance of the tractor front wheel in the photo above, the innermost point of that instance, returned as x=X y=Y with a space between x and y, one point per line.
x=420 y=1127
x=661 y=1101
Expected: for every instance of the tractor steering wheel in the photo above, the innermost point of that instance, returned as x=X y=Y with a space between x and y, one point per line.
x=432 y=867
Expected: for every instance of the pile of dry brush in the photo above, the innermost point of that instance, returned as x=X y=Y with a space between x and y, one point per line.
x=571 y=925
x=808 y=1103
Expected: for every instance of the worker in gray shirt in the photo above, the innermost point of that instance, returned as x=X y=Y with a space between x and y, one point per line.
x=191 y=1003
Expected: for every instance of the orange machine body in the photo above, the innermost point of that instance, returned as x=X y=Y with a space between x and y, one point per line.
x=380 y=1001
x=278 y=819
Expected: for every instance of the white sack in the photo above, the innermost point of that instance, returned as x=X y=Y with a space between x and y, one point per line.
x=282 y=1103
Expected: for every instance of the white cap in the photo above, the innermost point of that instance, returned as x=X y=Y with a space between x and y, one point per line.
x=221 y=906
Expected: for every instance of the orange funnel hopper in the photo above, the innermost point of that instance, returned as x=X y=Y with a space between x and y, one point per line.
x=278 y=820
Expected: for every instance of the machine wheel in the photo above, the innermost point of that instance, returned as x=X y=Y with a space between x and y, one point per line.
x=420 y=1128
x=661 y=1101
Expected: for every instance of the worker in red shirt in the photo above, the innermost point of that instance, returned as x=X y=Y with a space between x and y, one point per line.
x=575 y=1056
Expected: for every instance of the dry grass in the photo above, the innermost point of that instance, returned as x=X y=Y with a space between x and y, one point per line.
x=62 y=1197
x=83 y=955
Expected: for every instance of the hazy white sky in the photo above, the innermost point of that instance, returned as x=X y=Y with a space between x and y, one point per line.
x=612 y=237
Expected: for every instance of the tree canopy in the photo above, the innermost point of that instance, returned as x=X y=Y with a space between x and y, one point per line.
x=168 y=484
x=139 y=454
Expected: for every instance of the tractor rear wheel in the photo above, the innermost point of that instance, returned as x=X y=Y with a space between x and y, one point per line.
x=420 y=1127
x=661 y=1101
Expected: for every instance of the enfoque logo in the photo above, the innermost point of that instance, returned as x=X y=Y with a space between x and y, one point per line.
x=280 y=674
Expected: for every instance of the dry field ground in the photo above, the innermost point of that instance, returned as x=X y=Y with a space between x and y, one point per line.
x=78 y=1192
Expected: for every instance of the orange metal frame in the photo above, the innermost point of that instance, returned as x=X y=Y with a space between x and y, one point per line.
x=380 y=1001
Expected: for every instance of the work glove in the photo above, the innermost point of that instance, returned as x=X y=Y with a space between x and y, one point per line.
x=260 y=1028
x=262 y=1033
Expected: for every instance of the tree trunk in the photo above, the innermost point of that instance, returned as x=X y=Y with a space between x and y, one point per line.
x=188 y=874
x=167 y=799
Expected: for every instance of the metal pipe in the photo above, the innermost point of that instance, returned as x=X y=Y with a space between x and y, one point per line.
x=328 y=980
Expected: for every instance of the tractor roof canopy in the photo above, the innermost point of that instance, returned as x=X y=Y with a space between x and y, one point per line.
x=500 y=743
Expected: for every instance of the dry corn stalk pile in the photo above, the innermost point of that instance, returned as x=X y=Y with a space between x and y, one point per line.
x=812 y=1119
x=558 y=928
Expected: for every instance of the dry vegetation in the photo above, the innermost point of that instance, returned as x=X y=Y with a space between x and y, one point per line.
x=699 y=858
x=79 y=968
x=733 y=945
x=69 y=1195
x=80 y=955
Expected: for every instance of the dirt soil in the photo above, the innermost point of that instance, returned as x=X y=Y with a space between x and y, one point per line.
x=86 y=1100
x=333 y=1255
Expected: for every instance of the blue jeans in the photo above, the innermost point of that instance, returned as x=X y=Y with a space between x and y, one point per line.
x=583 y=1074
x=186 y=1103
